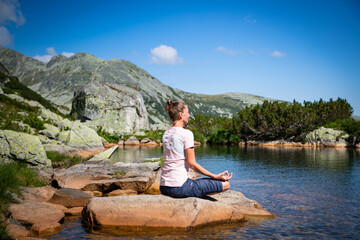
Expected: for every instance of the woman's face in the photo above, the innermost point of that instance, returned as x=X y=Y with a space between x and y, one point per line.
x=185 y=115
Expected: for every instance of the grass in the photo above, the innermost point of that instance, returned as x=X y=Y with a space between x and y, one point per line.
x=160 y=160
x=12 y=176
x=64 y=161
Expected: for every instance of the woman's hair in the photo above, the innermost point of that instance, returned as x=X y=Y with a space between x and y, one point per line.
x=174 y=108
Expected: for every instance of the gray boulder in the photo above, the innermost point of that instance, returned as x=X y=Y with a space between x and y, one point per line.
x=327 y=136
x=17 y=146
x=116 y=108
x=50 y=131
x=80 y=136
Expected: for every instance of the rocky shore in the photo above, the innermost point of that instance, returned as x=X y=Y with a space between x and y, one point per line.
x=107 y=195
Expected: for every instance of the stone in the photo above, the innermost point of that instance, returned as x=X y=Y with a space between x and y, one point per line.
x=326 y=135
x=50 y=131
x=30 y=213
x=46 y=228
x=120 y=192
x=37 y=194
x=196 y=143
x=81 y=136
x=23 y=147
x=132 y=141
x=59 y=148
x=244 y=205
x=64 y=124
x=109 y=145
x=15 y=231
x=75 y=211
x=138 y=184
x=48 y=115
x=69 y=197
x=158 y=211
x=116 y=108
x=104 y=155
x=79 y=175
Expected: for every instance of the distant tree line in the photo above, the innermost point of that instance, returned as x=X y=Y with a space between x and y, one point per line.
x=274 y=121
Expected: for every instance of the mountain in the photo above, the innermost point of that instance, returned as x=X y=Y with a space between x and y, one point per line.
x=57 y=80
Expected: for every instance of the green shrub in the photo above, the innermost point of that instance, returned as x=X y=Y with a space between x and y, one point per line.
x=64 y=161
x=12 y=176
x=107 y=136
x=34 y=122
x=155 y=135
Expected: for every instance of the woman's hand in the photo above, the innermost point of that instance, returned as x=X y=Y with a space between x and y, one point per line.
x=224 y=176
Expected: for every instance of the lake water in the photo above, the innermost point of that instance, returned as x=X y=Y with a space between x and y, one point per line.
x=314 y=193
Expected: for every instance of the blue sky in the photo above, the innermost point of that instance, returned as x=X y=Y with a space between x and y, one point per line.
x=302 y=50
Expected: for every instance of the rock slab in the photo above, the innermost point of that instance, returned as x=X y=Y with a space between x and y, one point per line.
x=69 y=197
x=158 y=211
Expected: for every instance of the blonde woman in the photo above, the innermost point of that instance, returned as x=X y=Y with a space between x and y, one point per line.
x=179 y=154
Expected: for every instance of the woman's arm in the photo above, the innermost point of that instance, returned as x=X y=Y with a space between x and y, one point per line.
x=190 y=158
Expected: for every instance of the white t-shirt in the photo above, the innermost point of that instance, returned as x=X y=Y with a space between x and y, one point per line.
x=175 y=170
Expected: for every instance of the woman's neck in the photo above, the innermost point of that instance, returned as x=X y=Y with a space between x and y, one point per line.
x=178 y=123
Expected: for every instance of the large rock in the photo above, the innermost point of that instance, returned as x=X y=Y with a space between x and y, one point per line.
x=50 y=131
x=80 y=136
x=43 y=219
x=23 y=147
x=69 y=197
x=328 y=137
x=116 y=108
x=48 y=115
x=37 y=194
x=158 y=211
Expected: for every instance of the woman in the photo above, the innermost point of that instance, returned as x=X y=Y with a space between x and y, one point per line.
x=178 y=144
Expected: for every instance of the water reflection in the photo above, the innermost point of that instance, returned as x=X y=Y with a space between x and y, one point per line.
x=314 y=192
x=135 y=154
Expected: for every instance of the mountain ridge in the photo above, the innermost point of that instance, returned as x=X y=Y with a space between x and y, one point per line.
x=57 y=80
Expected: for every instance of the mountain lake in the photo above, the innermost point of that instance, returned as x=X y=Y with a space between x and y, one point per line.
x=315 y=194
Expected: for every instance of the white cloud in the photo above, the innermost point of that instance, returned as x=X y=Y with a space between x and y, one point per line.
x=249 y=18
x=68 y=54
x=51 y=52
x=227 y=51
x=9 y=13
x=163 y=55
x=278 y=54
x=5 y=37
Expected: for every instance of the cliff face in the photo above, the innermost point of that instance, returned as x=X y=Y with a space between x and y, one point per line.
x=116 y=108
x=58 y=79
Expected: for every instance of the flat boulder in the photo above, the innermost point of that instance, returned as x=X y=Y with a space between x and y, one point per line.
x=69 y=197
x=43 y=219
x=37 y=194
x=158 y=211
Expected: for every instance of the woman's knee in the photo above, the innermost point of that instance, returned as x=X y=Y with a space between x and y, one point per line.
x=226 y=186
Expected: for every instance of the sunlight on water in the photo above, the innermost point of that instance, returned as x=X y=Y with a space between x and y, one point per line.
x=314 y=193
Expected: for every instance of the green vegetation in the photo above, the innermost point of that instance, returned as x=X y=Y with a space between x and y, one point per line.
x=274 y=121
x=12 y=85
x=13 y=112
x=349 y=125
x=12 y=176
x=59 y=160
x=107 y=136
x=155 y=135
x=160 y=160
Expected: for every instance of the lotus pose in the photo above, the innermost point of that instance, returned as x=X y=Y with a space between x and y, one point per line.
x=179 y=154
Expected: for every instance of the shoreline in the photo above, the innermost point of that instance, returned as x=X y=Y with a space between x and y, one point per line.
x=286 y=144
